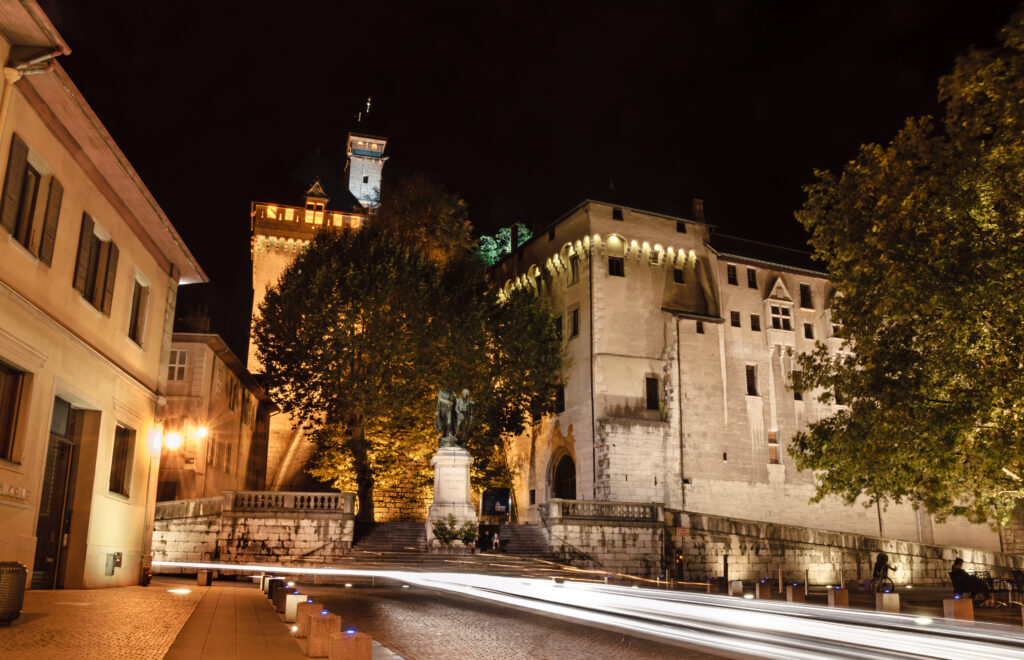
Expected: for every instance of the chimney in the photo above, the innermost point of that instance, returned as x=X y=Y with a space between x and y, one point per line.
x=697 y=209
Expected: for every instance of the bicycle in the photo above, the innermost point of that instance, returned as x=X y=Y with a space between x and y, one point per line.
x=882 y=585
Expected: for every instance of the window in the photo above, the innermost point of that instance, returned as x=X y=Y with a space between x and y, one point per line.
x=558 y=327
x=560 y=399
x=366 y=179
x=734 y=319
x=176 y=365
x=755 y=322
x=781 y=318
x=533 y=497
x=137 y=321
x=680 y=227
x=805 y=297
x=773 y=447
x=11 y=381
x=751 y=380
x=730 y=272
x=228 y=450
x=809 y=330
x=797 y=394
x=574 y=321
x=121 y=461
x=617 y=266
x=752 y=278
x=20 y=202
x=840 y=399
x=96 y=266
x=616 y=214
x=700 y=327
x=677 y=276
x=574 y=269
x=653 y=398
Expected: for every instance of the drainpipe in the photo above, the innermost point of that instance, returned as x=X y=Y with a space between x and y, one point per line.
x=679 y=413
x=593 y=406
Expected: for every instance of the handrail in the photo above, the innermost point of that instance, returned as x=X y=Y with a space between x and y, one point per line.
x=574 y=551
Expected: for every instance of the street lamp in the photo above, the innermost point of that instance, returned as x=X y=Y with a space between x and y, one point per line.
x=172 y=440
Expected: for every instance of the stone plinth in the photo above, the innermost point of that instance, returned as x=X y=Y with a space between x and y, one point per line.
x=838 y=598
x=961 y=609
x=762 y=589
x=321 y=627
x=736 y=588
x=887 y=603
x=303 y=613
x=203 y=578
x=351 y=646
x=291 y=606
x=795 y=593
x=451 y=488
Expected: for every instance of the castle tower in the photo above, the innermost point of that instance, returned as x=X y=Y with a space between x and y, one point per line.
x=365 y=166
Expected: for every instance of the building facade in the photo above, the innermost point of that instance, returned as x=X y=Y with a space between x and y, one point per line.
x=681 y=347
x=89 y=271
x=279 y=233
x=216 y=424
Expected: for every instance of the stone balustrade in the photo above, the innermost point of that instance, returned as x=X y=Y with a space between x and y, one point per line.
x=287 y=502
x=599 y=511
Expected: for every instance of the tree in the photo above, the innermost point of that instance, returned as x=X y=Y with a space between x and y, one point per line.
x=493 y=249
x=365 y=325
x=924 y=241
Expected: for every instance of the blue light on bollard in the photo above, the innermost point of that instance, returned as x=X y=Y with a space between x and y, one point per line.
x=323 y=612
x=350 y=631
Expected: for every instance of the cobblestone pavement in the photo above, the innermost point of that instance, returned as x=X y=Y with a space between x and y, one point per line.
x=420 y=624
x=130 y=623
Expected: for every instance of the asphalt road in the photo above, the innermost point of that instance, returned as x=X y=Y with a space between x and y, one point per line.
x=422 y=624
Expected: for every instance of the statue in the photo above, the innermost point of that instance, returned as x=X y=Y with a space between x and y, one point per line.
x=454 y=416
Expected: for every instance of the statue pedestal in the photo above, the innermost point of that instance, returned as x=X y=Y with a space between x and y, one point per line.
x=451 y=489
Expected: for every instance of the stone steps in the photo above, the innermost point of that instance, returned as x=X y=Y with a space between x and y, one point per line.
x=386 y=537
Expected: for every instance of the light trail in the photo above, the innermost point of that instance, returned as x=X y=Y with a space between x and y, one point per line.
x=732 y=625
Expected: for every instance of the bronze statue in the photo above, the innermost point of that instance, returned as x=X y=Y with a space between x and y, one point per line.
x=463 y=417
x=454 y=416
x=443 y=415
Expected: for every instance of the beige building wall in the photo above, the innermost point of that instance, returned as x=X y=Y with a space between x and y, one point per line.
x=57 y=346
x=705 y=445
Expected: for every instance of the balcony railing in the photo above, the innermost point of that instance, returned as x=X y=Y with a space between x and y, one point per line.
x=605 y=511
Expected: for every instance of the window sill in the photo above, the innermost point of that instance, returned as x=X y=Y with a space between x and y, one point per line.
x=24 y=250
x=99 y=314
x=12 y=466
x=119 y=497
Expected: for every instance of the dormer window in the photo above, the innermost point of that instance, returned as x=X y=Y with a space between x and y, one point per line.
x=782 y=317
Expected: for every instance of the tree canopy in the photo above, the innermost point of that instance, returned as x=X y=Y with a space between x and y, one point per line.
x=365 y=326
x=924 y=241
x=493 y=249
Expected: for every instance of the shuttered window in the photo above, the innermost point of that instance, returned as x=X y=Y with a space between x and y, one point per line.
x=137 y=320
x=751 y=380
x=96 y=267
x=25 y=188
x=11 y=381
x=653 y=398
x=121 y=461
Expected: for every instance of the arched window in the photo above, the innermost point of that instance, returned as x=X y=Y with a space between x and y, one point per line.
x=565 y=478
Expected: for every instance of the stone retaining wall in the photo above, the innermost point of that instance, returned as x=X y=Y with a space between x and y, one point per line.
x=400 y=504
x=618 y=547
x=756 y=549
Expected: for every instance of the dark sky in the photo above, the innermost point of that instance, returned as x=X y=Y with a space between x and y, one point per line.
x=523 y=108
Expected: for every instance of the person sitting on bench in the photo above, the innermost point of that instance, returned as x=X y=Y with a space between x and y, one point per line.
x=964 y=582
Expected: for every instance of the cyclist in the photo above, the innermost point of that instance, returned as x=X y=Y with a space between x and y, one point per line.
x=880 y=576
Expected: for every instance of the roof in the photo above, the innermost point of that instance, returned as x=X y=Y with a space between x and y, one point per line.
x=220 y=347
x=64 y=110
x=742 y=249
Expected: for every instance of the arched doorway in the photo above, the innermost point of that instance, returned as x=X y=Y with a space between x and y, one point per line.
x=565 y=478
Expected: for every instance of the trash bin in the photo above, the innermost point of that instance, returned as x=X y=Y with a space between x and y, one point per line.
x=12 y=591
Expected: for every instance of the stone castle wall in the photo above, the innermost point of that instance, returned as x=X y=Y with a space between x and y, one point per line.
x=631 y=548
x=400 y=504
x=758 y=549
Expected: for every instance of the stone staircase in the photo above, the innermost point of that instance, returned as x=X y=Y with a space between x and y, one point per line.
x=524 y=540
x=390 y=537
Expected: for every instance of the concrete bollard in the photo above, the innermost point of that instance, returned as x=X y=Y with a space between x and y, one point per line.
x=838 y=597
x=321 y=627
x=273 y=585
x=887 y=603
x=351 y=645
x=280 y=597
x=961 y=609
x=303 y=613
x=762 y=589
x=795 y=593
x=291 y=606
x=736 y=588
x=203 y=578
x=258 y=579
x=265 y=583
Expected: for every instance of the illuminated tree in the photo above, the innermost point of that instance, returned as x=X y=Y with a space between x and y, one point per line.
x=493 y=249
x=364 y=327
x=924 y=241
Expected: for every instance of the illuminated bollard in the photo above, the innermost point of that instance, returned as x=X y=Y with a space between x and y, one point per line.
x=203 y=578
x=838 y=597
x=351 y=645
x=279 y=598
x=795 y=593
x=762 y=589
x=258 y=579
x=265 y=583
x=887 y=602
x=303 y=613
x=321 y=627
x=291 y=606
x=961 y=609
x=736 y=588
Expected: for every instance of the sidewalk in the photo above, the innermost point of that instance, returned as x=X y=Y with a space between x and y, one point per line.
x=226 y=621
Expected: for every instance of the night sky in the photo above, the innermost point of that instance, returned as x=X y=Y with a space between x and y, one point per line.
x=521 y=108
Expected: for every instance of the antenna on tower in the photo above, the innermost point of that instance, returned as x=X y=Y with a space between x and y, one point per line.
x=359 y=115
x=368 y=101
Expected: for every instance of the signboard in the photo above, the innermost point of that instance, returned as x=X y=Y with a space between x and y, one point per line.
x=497 y=502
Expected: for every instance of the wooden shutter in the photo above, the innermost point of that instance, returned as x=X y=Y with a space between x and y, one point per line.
x=82 y=265
x=53 y=201
x=108 y=281
x=13 y=182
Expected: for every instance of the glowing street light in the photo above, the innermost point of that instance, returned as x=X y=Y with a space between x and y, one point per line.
x=172 y=440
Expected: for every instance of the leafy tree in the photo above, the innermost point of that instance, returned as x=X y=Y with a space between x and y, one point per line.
x=365 y=325
x=924 y=241
x=493 y=249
